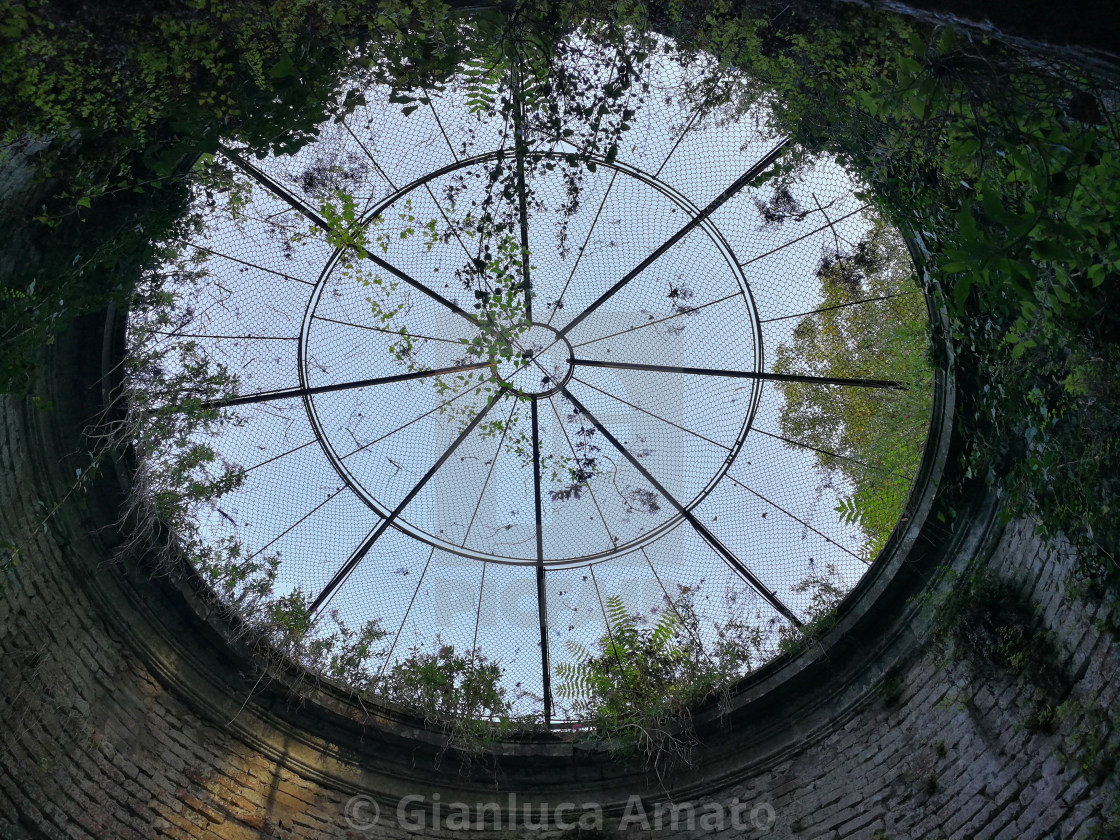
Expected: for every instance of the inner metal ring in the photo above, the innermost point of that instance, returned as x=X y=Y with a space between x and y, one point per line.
x=554 y=348
x=401 y=523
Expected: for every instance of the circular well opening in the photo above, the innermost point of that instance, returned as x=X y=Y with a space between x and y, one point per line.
x=462 y=419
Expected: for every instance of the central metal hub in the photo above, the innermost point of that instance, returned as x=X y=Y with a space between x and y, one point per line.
x=541 y=364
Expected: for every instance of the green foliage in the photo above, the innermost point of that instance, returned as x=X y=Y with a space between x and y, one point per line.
x=1002 y=168
x=828 y=591
x=324 y=644
x=1027 y=249
x=1093 y=743
x=988 y=622
x=167 y=388
x=72 y=261
x=109 y=105
x=879 y=435
x=1108 y=827
x=638 y=689
x=178 y=473
x=461 y=692
x=246 y=65
x=633 y=665
x=891 y=690
x=558 y=85
x=168 y=384
x=450 y=686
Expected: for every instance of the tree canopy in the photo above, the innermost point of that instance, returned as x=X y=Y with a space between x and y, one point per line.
x=880 y=438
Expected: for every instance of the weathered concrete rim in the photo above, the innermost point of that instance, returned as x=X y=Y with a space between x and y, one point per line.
x=325 y=733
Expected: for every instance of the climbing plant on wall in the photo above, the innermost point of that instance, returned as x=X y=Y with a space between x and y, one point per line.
x=1002 y=168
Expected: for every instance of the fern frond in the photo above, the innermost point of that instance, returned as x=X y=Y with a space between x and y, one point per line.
x=576 y=678
x=578 y=650
x=622 y=623
x=850 y=512
x=663 y=632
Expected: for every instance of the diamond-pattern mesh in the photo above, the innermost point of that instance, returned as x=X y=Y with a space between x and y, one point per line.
x=284 y=311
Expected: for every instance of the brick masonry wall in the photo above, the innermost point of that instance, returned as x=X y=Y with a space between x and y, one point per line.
x=951 y=755
x=97 y=742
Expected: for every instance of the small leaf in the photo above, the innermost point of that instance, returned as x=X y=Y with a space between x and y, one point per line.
x=283 y=68
x=947 y=40
x=961 y=291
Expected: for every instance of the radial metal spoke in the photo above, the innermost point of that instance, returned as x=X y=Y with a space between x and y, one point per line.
x=369 y=154
x=489 y=473
x=494 y=214
x=590 y=230
x=404 y=618
x=586 y=482
x=398 y=333
x=668 y=600
x=420 y=287
x=542 y=600
x=688 y=127
x=607 y=622
x=803 y=236
x=427 y=181
x=478 y=615
x=747 y=374
x=729 y=557
x=837 y=306
x=499 y=204
x=267 y=396
x=428 y=413
x=522 y=192
x=274 y=187
x=356 y=557
x=283 y=194
x=657 y=321
x=651 y=414
x=835 y=236
x=439 y=123
x=830 y=453
x=244 y=563
x=478 y=609
x=281 y=455
x=688 y=227
x=177 y=334
x=582 y=248
x=792 y=516
x=220 y=255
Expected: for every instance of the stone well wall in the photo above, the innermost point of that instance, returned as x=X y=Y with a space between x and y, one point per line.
x=128 y=711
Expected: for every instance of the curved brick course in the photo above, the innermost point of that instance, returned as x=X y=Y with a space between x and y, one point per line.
x=127 y=714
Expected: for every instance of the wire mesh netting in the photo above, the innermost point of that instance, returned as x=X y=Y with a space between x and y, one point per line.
x=467 y=390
